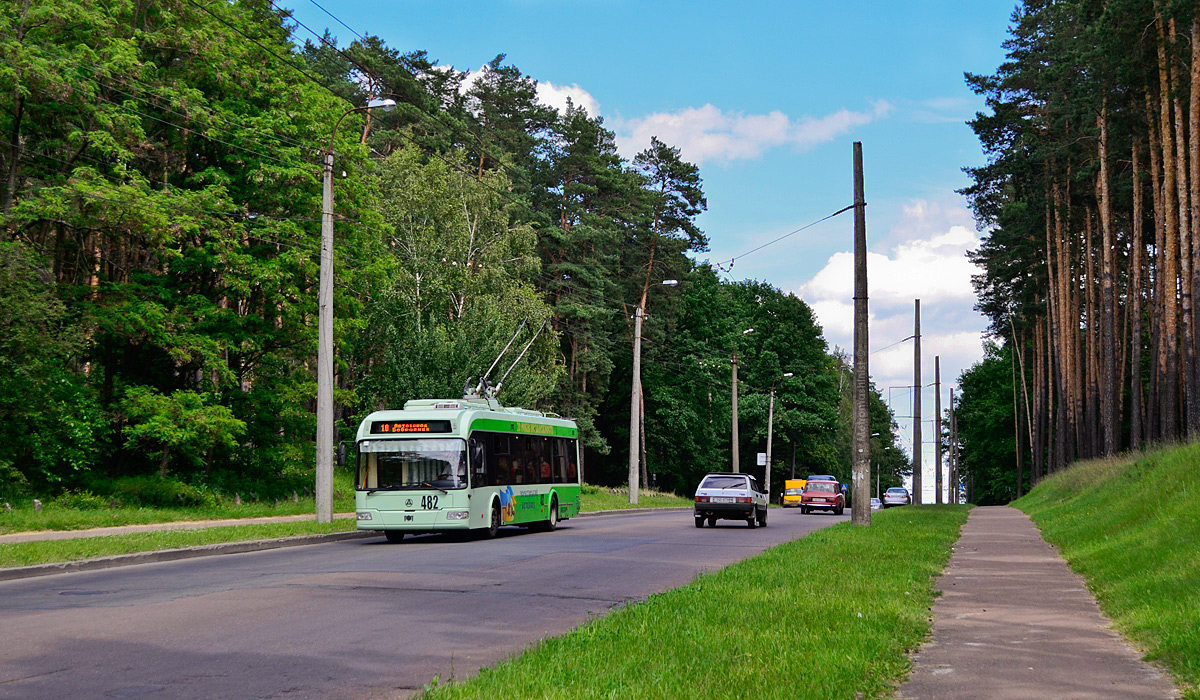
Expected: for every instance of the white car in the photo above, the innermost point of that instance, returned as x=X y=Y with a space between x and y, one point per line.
x=730 y=496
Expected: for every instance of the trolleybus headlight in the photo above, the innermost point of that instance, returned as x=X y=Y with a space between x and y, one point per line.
x=457 y=515
x=364 y=515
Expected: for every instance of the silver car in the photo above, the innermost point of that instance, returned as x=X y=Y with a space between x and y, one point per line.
x=730 y=496
x=896 y=496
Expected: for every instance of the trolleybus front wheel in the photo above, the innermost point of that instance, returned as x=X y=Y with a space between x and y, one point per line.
x=493 y=524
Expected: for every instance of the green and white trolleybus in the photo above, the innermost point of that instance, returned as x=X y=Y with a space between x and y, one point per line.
x=444 y=465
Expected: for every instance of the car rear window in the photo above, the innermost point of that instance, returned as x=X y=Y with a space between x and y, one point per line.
x=899 y=491
x=822 y=486
x=724 y=482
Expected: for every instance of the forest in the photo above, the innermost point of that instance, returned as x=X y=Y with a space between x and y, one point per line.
x=1090 y=269
x=161 y=186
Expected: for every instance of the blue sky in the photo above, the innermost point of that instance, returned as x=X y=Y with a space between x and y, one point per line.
x=768 y=98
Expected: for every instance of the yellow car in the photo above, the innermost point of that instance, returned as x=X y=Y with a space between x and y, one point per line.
x=792 y=488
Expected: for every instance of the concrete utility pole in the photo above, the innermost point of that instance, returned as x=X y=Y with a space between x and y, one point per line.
x=323 y=492
x=735 y=413
x=937 y=430
x=635 y=406
x=770 y=430
x=861 y=457
x=323 y=482
x=736 y=460
x=953 y=452
x=770 y=425
x=916 y=483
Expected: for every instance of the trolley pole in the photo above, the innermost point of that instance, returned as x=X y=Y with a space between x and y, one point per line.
x=861 y=459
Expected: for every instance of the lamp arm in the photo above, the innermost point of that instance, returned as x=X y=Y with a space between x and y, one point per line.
x=338 y=124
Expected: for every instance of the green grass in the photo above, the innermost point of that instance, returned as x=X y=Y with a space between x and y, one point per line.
x=832 y=615
x=1131 y=527
x=599 y=498
x=24 y=518
x=50 y=551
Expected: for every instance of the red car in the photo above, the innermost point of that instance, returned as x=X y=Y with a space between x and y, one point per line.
x=822 y=495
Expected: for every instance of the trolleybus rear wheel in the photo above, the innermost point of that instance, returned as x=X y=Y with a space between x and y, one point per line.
x=551 y=523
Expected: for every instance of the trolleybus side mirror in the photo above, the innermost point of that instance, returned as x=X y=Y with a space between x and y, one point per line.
x=341 y=454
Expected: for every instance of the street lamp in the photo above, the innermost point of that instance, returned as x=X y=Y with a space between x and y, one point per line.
x=876 y=467
x=635 y=400
x=748 y=331
x=770 y=426
x=324 y=481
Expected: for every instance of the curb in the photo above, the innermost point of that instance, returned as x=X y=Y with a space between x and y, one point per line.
x=64 y=567
x=619 y=511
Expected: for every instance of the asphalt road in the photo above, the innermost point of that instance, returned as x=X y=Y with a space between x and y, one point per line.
x=353 y=619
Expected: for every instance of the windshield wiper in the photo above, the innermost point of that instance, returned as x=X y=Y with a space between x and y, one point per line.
x=426 y=483
x=382 y=488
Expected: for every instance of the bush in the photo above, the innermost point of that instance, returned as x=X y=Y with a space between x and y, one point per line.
x=158 y=492
x=264 y=488
x=81 y=500
x=13 y=485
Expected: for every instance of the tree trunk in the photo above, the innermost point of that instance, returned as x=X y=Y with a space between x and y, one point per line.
x=1041 y=406
x=1155 y=430
x=1191 y=403
x=1108 y=347
x=1090 y=341
x=1194 y=191
x=1137 y=418
x=1168 y=361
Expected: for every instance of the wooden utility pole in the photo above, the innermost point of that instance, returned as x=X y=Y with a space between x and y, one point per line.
x=937 y=429
x=916 y=479
x=861 y=458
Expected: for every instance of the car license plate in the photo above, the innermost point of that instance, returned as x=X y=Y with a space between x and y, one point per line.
x=723 y=499
x=818 y=500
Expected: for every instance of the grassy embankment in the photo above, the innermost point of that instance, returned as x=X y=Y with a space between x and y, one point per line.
x=24 y=518
x=836 y=614
x=1131 y=527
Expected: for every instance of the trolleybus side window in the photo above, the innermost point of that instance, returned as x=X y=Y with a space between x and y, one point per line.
x=521 y=459
x=478 y=465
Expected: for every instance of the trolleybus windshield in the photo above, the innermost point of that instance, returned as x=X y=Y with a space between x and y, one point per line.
x=420 y=463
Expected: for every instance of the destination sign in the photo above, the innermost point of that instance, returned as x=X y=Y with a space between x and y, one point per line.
x=387 y=427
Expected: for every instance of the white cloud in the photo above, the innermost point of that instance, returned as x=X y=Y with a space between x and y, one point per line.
x=945 y=110
x=548 y=93
x=709 y=134
x=556 y=96
x=928 y=263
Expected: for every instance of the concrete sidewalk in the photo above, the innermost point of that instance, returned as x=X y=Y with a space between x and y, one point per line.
x=1015 y=623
